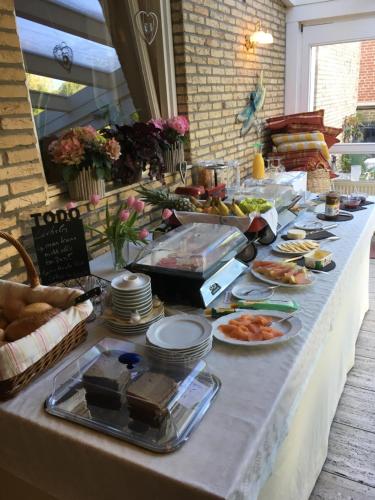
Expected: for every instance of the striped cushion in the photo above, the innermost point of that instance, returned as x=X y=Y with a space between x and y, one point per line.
x=330 y=133
x=279 y=139
x=312 y=118
x=304 y=146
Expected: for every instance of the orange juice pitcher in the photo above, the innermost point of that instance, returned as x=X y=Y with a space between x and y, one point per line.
x=258 y=164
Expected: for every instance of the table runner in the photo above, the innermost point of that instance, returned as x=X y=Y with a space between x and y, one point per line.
x=233 y=451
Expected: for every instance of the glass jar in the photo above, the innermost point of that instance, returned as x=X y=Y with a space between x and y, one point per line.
x=332 y=208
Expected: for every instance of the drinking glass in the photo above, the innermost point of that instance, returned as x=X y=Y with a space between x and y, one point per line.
x=355 y=172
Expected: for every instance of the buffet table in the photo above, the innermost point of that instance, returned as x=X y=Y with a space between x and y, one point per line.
x=265 y=435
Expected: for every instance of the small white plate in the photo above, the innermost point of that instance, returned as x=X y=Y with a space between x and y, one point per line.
x=258 y=292
x=263 y=278
x=179 y=332
x=309 y=226
x=130 y=281
x=275 y=247
x=289 y=328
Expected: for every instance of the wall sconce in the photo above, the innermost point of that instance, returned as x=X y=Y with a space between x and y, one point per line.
x=258 y=37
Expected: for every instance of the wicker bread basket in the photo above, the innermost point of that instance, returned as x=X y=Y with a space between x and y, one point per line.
x=10 y=386
x=318 y=181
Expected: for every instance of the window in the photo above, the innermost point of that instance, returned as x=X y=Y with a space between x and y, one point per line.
x=73 y=72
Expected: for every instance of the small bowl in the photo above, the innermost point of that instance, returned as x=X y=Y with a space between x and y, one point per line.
x=352 y=201
x=318 y=259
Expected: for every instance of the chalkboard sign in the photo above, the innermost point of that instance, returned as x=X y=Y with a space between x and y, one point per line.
x=60 y=248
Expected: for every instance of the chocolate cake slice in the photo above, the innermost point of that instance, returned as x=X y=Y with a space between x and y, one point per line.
x=148 y=397
x=105 y=382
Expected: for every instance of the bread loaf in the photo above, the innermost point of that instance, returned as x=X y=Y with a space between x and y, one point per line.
x=36 y=308
x=3 y=321
x=24 y=326
x=12 y=308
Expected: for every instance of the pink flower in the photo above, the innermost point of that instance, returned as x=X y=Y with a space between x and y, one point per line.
x=94 y=199
x=139 y=206
x=130 y=201
x=71 y=204
x=69 y=151
x=157 y=123
x=113 y=149
x=124 y=215
x=179 y=123
x=166 y=213
x=143 y=233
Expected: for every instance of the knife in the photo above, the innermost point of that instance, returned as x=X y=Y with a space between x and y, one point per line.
x=94 y=292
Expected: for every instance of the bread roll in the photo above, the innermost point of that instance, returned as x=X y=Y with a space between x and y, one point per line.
x=13 y=308
x=36 y=308
x=3 y=321
x=24 y=326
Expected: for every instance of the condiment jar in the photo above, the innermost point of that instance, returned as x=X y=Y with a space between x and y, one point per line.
x=332 y=205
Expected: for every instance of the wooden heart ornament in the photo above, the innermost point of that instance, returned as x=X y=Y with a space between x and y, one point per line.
x=147 y=25
x=63 y=55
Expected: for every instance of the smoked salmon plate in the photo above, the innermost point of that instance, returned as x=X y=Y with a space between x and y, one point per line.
x=260 y=328
x=281 y=273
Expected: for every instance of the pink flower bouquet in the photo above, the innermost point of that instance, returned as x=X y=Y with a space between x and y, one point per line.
x=84 y=147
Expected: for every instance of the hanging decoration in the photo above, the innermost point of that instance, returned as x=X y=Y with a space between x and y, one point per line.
x=147 y=24
x=63 y=55
x=255 y=104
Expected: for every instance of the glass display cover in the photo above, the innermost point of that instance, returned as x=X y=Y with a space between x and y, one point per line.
x=122 y=389
x=195 y=247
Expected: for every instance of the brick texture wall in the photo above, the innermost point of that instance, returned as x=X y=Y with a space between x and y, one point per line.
x=22 y=184
x=336 y=81
x=366 y=92
x=215 y=73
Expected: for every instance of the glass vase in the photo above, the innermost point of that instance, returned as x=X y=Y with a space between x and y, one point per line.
x=120 y=254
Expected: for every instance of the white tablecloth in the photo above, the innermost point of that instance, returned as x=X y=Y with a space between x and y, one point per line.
x=265 y=435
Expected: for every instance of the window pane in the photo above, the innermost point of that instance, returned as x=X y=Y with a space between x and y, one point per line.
x=52 y=85
x=41 y=40
x=86 y=88
x=345 y=161
x=343 y=84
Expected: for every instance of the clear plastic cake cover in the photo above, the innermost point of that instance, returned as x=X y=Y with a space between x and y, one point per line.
x=126 y=390
x=195 y=247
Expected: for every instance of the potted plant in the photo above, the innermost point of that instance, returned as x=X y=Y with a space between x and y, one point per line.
x=86 y=157
x=173 y=138
x=141 y=147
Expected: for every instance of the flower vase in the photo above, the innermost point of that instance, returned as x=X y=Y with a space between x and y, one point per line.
x=86 y=184
x=120 y=254
x=173 y=156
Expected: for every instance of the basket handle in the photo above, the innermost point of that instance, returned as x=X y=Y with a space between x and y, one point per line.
x=32 y=275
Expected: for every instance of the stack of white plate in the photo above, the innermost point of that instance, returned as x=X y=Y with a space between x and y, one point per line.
x=131 y=292
x=124 y=327
x=181 y=339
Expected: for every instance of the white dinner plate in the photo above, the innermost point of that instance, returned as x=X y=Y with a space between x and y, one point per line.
x=275 y=247
x=257 y=293
x=179 y=332
x=263 y=278
x=289 y=328
x=309 y=226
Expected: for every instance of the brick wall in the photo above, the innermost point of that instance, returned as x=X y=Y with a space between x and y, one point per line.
x=215 y=73
x=366 y=91
x=336 y=81
x=22 y=183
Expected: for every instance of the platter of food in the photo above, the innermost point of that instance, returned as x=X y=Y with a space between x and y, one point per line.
x=295 y=247
x=260 y=328
x=287 y=274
